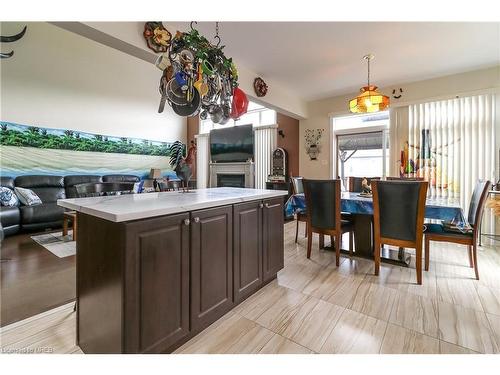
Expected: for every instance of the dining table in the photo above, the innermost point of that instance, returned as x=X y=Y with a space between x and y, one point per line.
x=361 y=210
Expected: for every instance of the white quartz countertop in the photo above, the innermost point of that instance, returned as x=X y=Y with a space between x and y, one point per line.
x=140 y=206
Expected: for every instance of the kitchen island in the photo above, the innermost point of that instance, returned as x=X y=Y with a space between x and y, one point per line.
x=153 y=270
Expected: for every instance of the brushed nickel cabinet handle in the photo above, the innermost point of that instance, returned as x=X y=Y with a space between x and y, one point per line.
x=261 y=205
x=196 y=219
x=267 y=205
x=186 y=222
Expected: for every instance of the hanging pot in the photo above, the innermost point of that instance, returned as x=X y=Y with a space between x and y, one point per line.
x=216 y=113
x=189 y=109
x=175 y=93
x=226 y=115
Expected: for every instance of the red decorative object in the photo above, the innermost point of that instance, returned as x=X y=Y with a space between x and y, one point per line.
x=157 y=37
x=260 y=87
x=240 y=104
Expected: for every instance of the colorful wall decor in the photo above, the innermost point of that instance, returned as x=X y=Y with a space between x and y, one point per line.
x=420 y=160
x=28 y=149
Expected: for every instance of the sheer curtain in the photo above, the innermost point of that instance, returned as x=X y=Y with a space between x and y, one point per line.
x=452 y=144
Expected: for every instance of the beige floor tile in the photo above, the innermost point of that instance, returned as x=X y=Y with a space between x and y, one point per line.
x=236 y=334
x=255 y=305
x=281 y=345
x=399 y=340
x=277 y=316
x=252 y=342
x=355 y=333
x=416 y=313
x=374 y=300
x=494 y=321
x=465 y=327
x=332 y=286
x=297 y=275
x=353 y=265
x=490 y=298
x=460 y=292
x=447 y=348
x=312 y=323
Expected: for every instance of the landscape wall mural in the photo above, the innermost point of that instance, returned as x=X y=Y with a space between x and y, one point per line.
x=36 y=150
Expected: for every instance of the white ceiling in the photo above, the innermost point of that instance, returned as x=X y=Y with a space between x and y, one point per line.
x=322 y=59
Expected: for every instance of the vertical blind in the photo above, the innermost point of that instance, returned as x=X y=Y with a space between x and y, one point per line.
x=451 y=143
x=265 y=143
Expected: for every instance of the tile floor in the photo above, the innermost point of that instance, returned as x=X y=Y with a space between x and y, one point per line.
x=315 y=307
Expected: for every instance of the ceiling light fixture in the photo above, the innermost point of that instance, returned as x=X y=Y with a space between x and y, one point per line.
x=370 y=100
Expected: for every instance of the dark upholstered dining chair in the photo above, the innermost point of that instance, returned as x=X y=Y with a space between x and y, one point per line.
x=398 y=217
x=436 y=232
x=298 y=188
x=323 y=213
x=103 y=188
x=354 y=184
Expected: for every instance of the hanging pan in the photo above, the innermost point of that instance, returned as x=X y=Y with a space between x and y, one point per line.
x=189 y=109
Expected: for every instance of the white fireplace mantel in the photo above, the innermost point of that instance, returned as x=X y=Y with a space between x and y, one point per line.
x=246 y=168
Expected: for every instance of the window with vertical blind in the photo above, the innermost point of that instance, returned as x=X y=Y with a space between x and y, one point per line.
x=451 y=143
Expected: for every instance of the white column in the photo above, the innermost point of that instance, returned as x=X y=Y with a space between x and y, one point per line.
x=202 y=160
x=265 y=144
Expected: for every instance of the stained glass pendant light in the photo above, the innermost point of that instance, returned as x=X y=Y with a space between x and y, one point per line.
x=369 y=100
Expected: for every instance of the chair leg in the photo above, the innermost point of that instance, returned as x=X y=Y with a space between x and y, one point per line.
x=321 y=241
x=376 y=255
x=297 y=231
x=471 y=263
x=474 y=257
x=351 y=243
x=305 y=230
x=332 y=242
x=427 y=255
x=418 y=263
x=65 y=227
x=338 y=240
x=309 y=244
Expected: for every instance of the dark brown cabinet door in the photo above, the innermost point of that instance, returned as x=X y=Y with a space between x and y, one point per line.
x=211 y=265
x=157 y=288
x=273 y=242
x=247 y=242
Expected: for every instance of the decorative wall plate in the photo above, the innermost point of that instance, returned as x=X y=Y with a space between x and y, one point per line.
x=260 y=87
x=157 y=37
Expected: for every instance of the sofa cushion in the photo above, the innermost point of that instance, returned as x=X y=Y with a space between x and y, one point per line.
x=49 y=212
x=10 y=216
x=71 y=181
x=27 y=197
x=120 y=178
x=7 y=182
x=8 y=198
x=48 y=188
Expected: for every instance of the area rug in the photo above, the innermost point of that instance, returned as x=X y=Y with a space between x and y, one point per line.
x=59 y=245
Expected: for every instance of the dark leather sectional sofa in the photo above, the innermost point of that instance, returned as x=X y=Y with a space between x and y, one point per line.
x=49 y=188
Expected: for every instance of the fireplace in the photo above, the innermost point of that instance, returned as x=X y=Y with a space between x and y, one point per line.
x=232 y=174
x=230 y=180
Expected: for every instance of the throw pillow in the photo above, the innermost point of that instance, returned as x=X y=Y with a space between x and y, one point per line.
x=8 y=198
x=27 y=196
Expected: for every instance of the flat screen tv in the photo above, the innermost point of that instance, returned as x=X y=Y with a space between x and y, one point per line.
x=233 y=144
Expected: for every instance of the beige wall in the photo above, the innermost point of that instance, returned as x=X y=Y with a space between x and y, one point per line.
x=320 y=111
x=59 y=79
